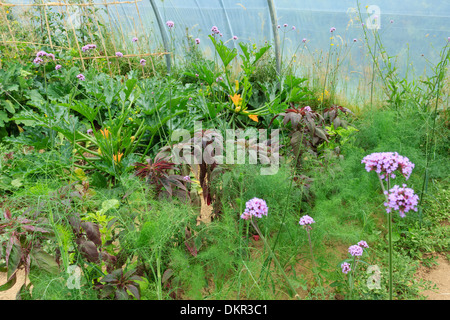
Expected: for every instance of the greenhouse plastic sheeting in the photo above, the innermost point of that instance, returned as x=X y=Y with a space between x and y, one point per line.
x=420 y=27
x=415 y=30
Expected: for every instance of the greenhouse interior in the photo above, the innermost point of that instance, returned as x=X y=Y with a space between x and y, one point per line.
x=222 y=150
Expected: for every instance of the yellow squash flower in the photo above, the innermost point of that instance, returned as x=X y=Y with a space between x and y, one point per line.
x=254 y=117
x=117 y=157
x=105 y=133
x=237 y=101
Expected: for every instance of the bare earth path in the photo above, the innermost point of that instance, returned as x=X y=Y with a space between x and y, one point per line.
x=439 y=275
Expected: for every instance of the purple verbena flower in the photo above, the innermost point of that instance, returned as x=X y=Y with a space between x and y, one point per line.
x=332 y=29
x=235 y=37
x=354 y=40
x=355 y=250
x=88 y=47
x=306 y=220
x=304 y=40
x=401 y=199
x=51 y=56
x=385 y=163
x=119 y=54
x=142 y=62
x=187 y=178
x=170 y=24
x=255 y=207
x=363 y=244
x=41 y=54
x=89 y=131
x=197 y=40
x=285 y=25
x=81 y=77
x=134 y=39
x=307 y=108
x=215 y=30
x=38 y=60
x=346 y=268
x=58 y=66
x=219 y=79
x=293 y=27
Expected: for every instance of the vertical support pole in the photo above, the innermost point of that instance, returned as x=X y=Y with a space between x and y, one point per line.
x=276 y=36
x=163 y=34
x=46 y=23
x=75 y=36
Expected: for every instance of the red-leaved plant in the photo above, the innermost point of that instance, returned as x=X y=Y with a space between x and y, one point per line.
x=160 y=174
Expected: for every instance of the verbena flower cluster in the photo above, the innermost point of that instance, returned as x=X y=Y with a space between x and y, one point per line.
x=306 y=220
x=401 y=199
x=385 y=163
x=355 y=250
x=40 y=56
x=346 y=268
x=170 y=24
x=358 y=249
x=88 y=47
x=255 y=207
x=363 y=244
x=215 y=30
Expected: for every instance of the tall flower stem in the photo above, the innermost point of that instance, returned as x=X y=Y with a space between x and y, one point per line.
x=273 y=256
x=390 y=255
x=314 y=260
x=352 y=278
x=390 y=248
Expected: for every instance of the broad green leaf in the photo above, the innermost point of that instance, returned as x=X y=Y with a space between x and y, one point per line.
x=35 y=97
x=9 y=284
x=260 y=53
x=109 y=204
x=89 y=112
x=9 y=106
x=12 y=87
x=43 y=261
x=3 y=118
x=14 y=258
x=226 y=54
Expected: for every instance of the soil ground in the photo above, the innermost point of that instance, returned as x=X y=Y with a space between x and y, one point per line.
x=438 y=274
